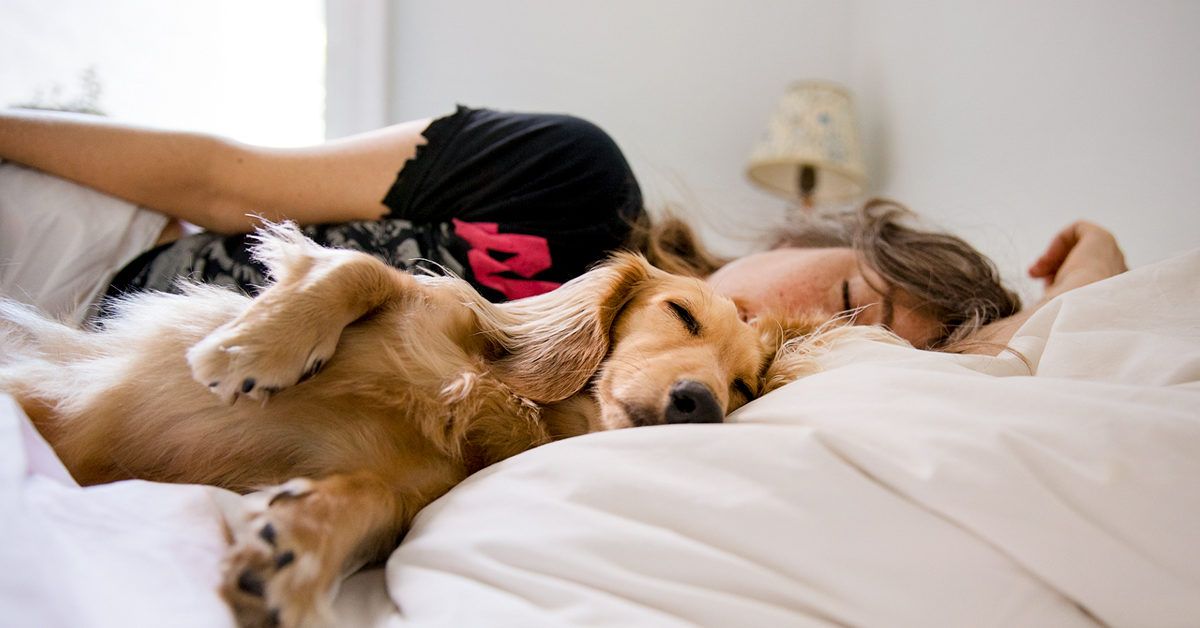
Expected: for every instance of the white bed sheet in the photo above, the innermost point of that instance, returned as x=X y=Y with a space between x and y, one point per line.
x=896 y=488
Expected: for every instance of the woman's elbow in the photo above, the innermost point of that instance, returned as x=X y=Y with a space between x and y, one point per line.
x=220 y=202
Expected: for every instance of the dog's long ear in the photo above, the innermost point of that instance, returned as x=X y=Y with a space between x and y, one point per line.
x=550 y=345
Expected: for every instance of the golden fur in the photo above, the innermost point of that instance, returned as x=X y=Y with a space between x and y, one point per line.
x=381 y=389
x=359 y=393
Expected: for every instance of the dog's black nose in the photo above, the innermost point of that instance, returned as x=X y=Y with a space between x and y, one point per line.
x=693 y=402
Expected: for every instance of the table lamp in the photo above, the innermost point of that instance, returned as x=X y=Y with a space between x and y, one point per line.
x=810 y=150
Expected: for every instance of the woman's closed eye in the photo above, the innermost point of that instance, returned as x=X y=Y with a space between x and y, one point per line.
x=858 y=312
x=860 y=301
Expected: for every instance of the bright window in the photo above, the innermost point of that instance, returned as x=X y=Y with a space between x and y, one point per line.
x=253 y=70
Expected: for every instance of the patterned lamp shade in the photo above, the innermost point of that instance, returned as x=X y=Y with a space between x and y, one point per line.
x=813 y=125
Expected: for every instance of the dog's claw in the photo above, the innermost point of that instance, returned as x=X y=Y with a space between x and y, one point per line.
x=251 y=583
x=312 y=370
x=284 y=559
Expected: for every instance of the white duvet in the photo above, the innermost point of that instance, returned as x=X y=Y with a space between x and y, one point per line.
x=896 y=488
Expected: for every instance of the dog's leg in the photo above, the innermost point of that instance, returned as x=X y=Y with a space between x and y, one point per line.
x=295 y=542
x=289 y=332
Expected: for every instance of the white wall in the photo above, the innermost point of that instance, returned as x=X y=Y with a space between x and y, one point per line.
x=1006 y=121
x=358 y=82
x=1003 y=120
x=685 y=86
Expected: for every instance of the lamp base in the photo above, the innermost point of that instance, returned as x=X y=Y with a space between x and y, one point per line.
x=806 y=182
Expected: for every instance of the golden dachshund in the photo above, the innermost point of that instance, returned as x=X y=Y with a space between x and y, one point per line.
x=350 y=394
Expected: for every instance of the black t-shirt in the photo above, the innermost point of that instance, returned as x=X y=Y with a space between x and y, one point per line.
x=514 y=203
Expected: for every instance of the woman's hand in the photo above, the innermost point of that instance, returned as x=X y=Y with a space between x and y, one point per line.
x=1081 y=254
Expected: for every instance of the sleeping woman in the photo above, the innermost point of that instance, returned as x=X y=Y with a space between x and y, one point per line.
x=515 y=203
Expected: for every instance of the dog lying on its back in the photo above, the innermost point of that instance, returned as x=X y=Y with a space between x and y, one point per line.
x=361 y=393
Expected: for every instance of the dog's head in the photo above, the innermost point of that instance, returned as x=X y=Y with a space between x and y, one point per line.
x=655 y=347
x=678 y=353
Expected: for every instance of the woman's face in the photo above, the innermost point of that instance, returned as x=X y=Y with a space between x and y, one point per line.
x=823 y=280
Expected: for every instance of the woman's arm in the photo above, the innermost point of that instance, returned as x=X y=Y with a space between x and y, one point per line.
x=209 y=181
x=1080 y=254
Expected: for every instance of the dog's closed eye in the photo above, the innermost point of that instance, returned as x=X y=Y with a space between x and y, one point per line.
x=742 y=388
x=685 y=316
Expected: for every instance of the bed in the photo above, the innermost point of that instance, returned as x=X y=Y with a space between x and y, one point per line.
x=895 y=488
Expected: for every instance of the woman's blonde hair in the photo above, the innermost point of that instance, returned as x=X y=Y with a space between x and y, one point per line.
x=947 y=279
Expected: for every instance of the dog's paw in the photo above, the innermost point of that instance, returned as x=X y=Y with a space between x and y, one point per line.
x=256 y=360
x=275 y=572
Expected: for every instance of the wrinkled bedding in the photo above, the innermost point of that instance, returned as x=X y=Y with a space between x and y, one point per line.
x=898 y=487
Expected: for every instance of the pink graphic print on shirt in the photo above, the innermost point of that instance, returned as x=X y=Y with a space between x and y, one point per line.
x=531 y=255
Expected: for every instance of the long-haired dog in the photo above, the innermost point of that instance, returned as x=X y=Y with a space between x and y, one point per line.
x=359 y=393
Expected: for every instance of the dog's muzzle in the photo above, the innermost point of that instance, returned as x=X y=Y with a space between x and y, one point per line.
x=693 y=402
